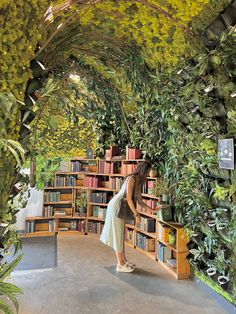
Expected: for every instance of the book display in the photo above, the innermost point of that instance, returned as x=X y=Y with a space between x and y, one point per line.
x=77 y=204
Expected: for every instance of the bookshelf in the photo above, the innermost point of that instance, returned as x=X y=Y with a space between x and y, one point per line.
x=77 y=201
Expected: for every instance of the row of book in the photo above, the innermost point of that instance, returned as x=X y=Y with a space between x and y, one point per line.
x=30 y=226
x=78 y=166
x=133 y=153
x=163 y=232
x=100 y=197
x=116 y=183
x=99 y=212
x=129 y=235
x=147 y=224
x=93 y=182
x=108 y=167
x=149 y=203
x=52 y=197
x=95 y=227
x=76 y=225
x=128 y=169
x=148 y=187
x=65 y=181
x=48 y=211
x=145 y=243
x=163 y=252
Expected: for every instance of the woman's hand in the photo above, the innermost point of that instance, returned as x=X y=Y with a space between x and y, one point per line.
x=155 y=210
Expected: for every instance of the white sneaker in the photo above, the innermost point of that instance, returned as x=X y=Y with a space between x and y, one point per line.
x=132 y=265
x=124 y=268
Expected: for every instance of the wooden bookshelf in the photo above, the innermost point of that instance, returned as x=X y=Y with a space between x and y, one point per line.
x=95 y=218
x=149 y=234
x=37 y=234
x=70 y=194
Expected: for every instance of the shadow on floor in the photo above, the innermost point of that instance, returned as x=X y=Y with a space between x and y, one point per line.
x=155 y=285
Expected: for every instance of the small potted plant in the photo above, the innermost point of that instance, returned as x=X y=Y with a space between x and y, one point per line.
x=161 y=190
x=153 y=172
x=81 y=204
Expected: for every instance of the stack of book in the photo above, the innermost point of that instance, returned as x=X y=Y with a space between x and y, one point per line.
x=51 y=225
x=70 y=181
x=145 y=243
x=128 y=168
x=75 y=166
x=30 y=226
x=112 y=152
x=116 y=183
x=164 y=253
x=81 y=225
x=60 y=212
x=99 y=212
x=163 y=232
x=60 y=180
x=147 y=224
x=48 y=211
x=64 y=166
x=95 y=227
x=108 y=167
x=52 y=197
x=130 y=222
x=133 y=153
x=93 y=182
x=148 y=187
x=172 y=263
x=99 y=197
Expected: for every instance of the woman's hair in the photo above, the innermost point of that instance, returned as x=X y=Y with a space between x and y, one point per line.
x=141 y=172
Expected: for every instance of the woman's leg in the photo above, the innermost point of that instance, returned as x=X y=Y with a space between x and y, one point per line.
x=123 y=254
x=119 y=256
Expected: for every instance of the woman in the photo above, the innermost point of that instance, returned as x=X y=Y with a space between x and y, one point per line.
x=113 y=231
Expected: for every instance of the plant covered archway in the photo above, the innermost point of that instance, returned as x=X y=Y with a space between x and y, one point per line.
x=109 y=68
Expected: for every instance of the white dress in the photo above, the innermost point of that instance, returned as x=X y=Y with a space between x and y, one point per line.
x=113 y=231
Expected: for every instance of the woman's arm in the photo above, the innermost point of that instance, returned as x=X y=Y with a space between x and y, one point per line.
x=143 y=205
x=129 y=195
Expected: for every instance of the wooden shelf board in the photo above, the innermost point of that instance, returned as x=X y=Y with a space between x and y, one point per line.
x=59 y=188
x=101 y=189
x=38 y=234
x=152 y=255
x=73 y=172
x=149 y=234
x=84 y=159
x=148 y=215
x=150 y=196
x=38 y=218
x=101 y=204
x=172 y=224
x=68 y=217
x=70 y=232
x=169 y=269
x=61 y=202
x=107 y=174
x=95 y=218
x=130 y=226
x=133 y=160
x=172 y=247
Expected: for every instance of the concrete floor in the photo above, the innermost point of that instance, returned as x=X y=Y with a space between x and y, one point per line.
x=85 y=281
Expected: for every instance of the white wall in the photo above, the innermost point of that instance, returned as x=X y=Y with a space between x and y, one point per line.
x=34 y=208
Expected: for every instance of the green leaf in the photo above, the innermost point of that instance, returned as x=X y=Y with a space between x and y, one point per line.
x=14 y=153
x=8 y=268
x=6 y=309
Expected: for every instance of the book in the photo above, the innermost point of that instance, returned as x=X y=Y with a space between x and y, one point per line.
x=64 y=166
x=172 y=262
